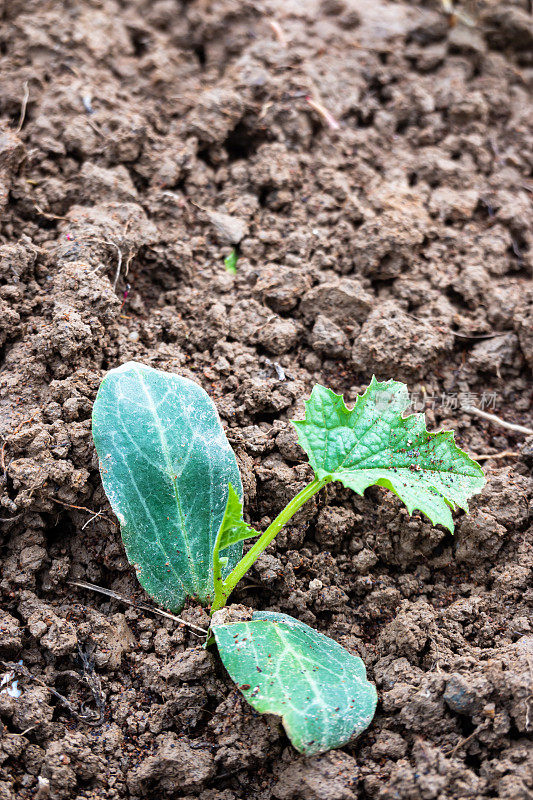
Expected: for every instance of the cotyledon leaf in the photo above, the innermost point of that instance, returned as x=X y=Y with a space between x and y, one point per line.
x=166 y=464
x=375 y=444
x=284 y=667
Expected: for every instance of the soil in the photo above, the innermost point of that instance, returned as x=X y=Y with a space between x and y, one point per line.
x=140 y=142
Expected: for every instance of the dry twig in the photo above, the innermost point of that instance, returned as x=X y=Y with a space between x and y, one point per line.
x=46 y=214
x=504 y=454
x=468 y=738
x=84 y=508
x=278 y=32
x=141 y=606
x=323 y=112
x=498 y=420
x=478 y=335
x=119 y=258
x=23 y=107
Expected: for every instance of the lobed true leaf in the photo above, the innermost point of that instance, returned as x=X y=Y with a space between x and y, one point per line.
x=374 y=444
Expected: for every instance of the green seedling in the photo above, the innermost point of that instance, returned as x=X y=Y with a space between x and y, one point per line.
x=230 y=262
x=173 y=482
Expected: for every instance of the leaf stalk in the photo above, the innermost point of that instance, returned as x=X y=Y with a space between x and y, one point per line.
x=224 y=587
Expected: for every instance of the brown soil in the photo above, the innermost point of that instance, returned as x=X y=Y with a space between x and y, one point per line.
x=398 y=244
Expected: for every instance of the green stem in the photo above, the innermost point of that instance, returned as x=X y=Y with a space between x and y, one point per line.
x=223 y=589
x=217 y=578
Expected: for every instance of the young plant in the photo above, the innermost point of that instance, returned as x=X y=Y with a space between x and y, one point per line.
x=230 y=262
x=173 y=482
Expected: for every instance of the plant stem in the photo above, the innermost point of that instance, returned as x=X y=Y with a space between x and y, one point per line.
x=223 y=589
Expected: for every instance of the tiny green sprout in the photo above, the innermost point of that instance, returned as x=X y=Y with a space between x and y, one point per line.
x=230 y=262
x=173 y=482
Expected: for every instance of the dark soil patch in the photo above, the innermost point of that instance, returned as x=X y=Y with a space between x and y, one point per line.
x=399 y=244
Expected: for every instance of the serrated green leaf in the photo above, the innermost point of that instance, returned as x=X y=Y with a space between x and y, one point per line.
x=373 y=444
x=286 y=668
x=233 y=528
x=165 y=464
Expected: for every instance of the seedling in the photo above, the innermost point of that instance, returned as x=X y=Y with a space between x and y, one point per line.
x=230 y=262
x=173 y=482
